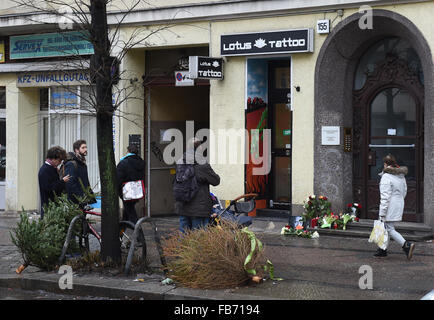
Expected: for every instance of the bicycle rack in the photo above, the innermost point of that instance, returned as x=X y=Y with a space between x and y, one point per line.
x=68 y=238
x=133 y=243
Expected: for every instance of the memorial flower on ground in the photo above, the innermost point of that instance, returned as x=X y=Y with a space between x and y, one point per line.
x=299 y=232
x=315 y=207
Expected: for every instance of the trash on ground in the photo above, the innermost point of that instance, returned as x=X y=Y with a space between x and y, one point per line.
x=167 y=281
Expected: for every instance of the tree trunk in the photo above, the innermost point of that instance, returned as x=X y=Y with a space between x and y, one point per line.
x=110 y=246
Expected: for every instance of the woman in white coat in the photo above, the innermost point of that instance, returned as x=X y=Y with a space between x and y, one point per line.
x=393 y=189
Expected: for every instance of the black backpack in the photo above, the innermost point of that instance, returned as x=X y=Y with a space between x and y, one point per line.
x=185 y=184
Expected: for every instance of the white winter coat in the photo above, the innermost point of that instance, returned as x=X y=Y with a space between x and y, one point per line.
x=393 y=189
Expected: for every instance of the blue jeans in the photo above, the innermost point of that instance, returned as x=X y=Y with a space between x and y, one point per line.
x=192 y=223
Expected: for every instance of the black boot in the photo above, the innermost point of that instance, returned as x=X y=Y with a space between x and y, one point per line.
x=408 y=248
x=381 y=253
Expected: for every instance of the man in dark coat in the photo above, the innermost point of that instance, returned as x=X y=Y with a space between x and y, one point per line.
x=130 y=168
x=76 y=168
x=196 y=213
x=50 y=185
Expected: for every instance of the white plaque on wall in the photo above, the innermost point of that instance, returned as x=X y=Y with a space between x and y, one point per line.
x=330 y=136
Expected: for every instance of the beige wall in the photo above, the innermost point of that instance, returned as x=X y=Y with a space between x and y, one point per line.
x=131 y=113
x=228 y=96
x=227 y=100
x=169 y=35
x=22 y=143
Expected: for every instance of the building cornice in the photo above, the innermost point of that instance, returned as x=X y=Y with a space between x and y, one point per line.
x=208 y=11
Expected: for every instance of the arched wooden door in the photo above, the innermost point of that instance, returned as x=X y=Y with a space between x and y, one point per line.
x=388 y=118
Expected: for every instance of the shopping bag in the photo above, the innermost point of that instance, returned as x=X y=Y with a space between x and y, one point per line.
x=379 y=235
x=133 y=190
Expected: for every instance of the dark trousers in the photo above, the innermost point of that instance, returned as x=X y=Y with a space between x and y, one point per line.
x=192 y=223
x=130 y=211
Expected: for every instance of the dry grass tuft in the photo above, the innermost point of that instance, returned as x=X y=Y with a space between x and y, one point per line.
x=211 y=258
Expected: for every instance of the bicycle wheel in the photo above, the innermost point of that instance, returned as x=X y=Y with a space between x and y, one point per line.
x=126 y=230
x=91 y=241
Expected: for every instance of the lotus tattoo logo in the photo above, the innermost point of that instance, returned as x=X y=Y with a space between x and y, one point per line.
x=260 y=43
x=216 y=64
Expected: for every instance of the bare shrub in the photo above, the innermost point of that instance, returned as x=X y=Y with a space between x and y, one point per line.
x=212 y=257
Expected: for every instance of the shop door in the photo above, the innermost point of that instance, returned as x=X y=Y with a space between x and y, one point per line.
x=280 y=122
x=388 y=118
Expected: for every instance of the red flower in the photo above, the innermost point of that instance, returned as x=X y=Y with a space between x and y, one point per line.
x=349 y=205
x=309 y=203
x=335 y=226
x=357 y=219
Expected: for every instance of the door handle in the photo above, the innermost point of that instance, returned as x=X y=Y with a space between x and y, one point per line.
x=391 y=146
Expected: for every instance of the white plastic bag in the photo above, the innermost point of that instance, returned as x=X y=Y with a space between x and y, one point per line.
x=379 y=235
x=133 y=190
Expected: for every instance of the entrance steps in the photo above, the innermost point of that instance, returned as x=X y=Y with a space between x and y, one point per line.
x=362 y=229
x=272 y=221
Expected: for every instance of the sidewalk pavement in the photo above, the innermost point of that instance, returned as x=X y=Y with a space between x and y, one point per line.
x=324 y=268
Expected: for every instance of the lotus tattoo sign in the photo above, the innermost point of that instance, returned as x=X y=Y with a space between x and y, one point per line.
x=289 y=41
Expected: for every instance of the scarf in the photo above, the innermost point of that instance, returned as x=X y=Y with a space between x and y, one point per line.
x=128 y=155
x=49 y=162
x=80 y=157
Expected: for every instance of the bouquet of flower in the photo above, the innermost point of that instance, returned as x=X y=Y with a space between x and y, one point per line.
x=316 y=207
x=298 y=231
x=337 y=221
x=354 y=209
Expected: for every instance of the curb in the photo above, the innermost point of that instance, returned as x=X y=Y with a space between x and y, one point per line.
x=152 y=290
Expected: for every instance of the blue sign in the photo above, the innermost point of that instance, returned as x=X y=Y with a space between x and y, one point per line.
x=49 y=45
x=56 y=78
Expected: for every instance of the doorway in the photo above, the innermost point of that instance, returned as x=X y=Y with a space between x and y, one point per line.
x=388 y=119
x=280 y=122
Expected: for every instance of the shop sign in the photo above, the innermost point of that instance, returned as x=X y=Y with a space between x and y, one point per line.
x=49 y=45
x=2 y=52
x=182 y=79
x=50 y=79
x=206 y=68
x=273 y=42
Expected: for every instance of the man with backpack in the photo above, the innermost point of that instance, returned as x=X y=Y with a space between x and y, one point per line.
x=75 y=166
x=193 y=201
x=130 y=168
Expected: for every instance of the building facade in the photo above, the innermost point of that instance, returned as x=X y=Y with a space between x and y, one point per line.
x=336 y=85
